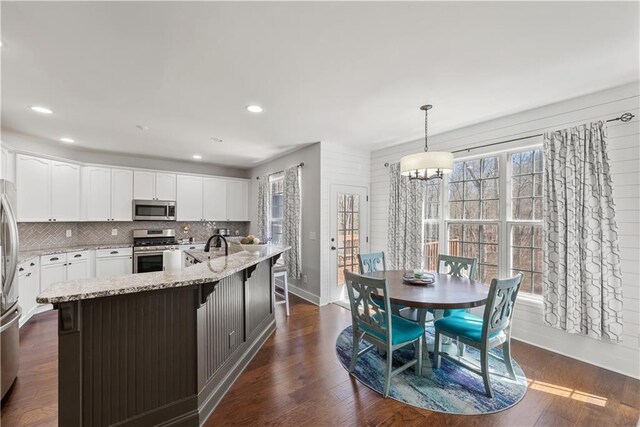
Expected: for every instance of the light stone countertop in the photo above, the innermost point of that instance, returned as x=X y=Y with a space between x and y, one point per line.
x=33 y=253
x=210 y=270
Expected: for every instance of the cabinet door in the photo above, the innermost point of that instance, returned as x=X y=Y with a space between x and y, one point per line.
x=33 y=183
x=77 y=269
x=121 y=195
x=97 y=193
x=215 y=199
x=52 y=273
x=165 y=186
x=144 y=185
x=65 y=191
x=189 y=200
x=113 y=266
x=238 y=200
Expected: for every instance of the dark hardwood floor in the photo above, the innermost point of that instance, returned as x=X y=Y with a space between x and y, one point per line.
x=296 y=380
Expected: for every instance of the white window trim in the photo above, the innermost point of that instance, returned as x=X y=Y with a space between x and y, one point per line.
x=504 y=225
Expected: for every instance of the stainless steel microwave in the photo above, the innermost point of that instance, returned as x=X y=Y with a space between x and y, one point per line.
x=154 y=210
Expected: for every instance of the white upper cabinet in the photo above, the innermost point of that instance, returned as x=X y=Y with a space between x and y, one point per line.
x=144 y=185
x=34 y=188
x=65 y=191
x=165 y=186
x=149 y=185
x=97 y=193
x=215 y=199
x=238 y=200
x=189 y=200
x=121 y=195
x=108 y=194
x=47 y=190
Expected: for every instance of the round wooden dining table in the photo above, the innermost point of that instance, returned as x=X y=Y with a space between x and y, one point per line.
x=445 y=292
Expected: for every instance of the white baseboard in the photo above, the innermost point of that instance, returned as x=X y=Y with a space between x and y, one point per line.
x=305 y=295
x=40 y=308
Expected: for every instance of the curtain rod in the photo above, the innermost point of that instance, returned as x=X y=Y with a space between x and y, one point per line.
x=626 y=117
x=299 y=165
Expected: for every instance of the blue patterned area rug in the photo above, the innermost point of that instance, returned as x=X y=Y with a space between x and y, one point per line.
x=450 y=389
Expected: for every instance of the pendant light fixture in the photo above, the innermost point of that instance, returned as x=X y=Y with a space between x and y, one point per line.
x=428 y=164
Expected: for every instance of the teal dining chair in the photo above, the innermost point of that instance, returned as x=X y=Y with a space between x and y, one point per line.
x=373 y=262
x=486 y=332
x=457 y=266
x=379 y=327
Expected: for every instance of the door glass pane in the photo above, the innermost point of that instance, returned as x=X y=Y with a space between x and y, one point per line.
x=348 y=239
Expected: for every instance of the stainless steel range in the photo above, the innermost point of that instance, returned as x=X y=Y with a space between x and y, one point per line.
x=148 y=246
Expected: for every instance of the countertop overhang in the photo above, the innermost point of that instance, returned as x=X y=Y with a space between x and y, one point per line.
x=207 y=271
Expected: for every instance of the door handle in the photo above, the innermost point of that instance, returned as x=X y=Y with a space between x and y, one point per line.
x=13 y=245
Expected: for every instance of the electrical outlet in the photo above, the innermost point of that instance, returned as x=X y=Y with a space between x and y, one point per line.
x=114 y=231
x=68 y=233
x=305 y=279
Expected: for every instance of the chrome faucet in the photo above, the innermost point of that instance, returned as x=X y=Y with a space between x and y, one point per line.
x=207 y=247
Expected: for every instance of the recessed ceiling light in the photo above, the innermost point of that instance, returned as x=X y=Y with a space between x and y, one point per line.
x=197 y=156
x=67 y=140
x=40 y=109
x=254 y=108
x=142 y=128
x=214 y=139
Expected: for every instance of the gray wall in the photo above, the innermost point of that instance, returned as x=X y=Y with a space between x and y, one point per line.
x=311 y=210
x=57 y=149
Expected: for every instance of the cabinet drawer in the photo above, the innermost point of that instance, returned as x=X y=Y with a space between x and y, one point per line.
x=104 y=253
x=53 y=259
x=76 y=256
x=192 y=246
x=27 y=266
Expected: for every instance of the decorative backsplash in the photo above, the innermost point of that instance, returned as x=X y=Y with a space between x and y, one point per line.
x=44 y=235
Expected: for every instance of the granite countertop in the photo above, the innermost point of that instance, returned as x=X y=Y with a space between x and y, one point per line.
x=210 y=270
x=32 y=253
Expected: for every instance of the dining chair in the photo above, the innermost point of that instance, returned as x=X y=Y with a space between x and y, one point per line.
x=457 y=266
x=373 y=262
x=379 y=327
x=280 y=272
x=484 y=333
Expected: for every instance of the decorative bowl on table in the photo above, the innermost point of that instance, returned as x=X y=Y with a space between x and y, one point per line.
x=252 y=244
x=418 y=278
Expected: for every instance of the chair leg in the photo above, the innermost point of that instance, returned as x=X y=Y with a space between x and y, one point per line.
x=286 y=294
x=354 y=351
x=418 y=355
x=506 y=355
x=436 y=351
x=387 y=382
x=484 y=367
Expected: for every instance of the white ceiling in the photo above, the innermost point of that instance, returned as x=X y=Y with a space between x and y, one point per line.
x=351 y=73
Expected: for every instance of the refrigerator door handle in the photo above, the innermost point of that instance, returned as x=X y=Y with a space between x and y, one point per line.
x=16 y=316
x=13 y=246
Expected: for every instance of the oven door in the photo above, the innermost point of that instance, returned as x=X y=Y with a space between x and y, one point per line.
x=158 y=210
x=146 y=262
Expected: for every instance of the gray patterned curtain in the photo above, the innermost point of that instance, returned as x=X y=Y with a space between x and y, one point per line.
x=582 y=279
x=291 y=221
x=264 y=203
x=404 y=246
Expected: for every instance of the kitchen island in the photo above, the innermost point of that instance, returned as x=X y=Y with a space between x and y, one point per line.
x=164 y=347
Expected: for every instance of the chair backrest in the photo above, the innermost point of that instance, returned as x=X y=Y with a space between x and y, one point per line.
x=363 y=309
x=500 y=304
x=372 y=262
x=454 y=265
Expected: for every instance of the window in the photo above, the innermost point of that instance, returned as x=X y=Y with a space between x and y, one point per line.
x=494 y=214
x=431 y=223
x=526 y=219
x=277 y=209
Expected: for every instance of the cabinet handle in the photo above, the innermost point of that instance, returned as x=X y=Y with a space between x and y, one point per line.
x=49 y=219
x=77 y=256
x=114 y=252
x=28 y=274
x=31 y=265
x=21 y=269
x=54 y=259
x=54 y=219
x=68 y=264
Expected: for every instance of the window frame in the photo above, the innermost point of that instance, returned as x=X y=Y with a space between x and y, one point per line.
x=505 y=221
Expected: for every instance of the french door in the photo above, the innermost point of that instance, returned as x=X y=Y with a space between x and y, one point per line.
x=349 y=234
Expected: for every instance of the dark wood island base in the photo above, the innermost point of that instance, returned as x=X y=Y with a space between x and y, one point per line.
x=161 y=357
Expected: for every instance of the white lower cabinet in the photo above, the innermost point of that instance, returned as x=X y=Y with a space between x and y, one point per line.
x=114 y=262
x=53 y=269
x=29 y=287
x=77 y=265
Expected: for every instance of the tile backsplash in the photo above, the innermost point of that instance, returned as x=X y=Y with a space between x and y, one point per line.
x=44 y=235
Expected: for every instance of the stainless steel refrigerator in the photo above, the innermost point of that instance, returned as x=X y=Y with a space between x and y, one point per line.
x=9 y=297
